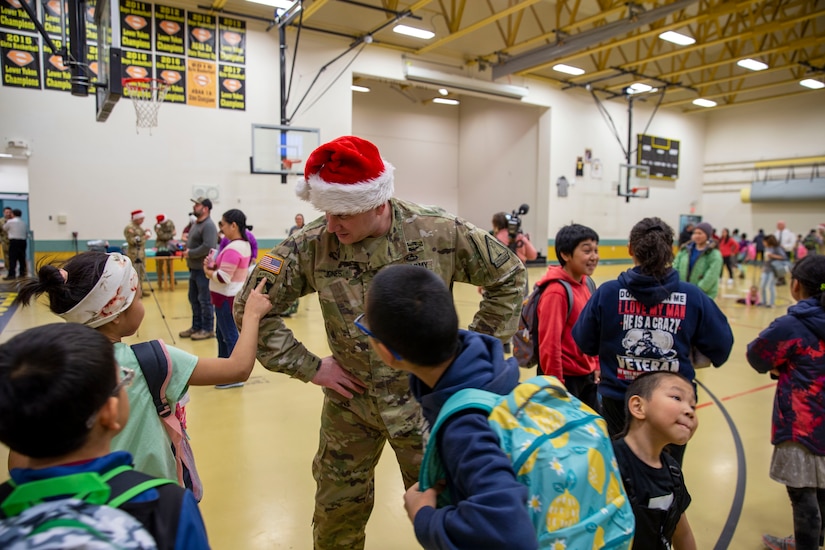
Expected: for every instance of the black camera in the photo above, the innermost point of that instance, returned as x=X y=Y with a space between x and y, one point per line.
x=514 y=224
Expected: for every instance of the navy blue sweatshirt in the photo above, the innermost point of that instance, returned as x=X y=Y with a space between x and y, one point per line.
x=637 y=324
x=489 y=508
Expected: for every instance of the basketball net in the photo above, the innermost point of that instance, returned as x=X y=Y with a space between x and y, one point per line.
x=147 y=96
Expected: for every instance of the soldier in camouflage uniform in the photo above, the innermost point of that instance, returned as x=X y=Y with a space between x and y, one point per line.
x=4 y=236
x=164 y=232
x=367 y=403
x=136 y=237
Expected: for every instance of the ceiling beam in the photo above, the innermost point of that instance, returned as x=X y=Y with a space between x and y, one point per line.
x=583 y=40
x=478 y=25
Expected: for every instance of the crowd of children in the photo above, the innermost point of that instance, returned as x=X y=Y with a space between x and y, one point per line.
x=628 y=350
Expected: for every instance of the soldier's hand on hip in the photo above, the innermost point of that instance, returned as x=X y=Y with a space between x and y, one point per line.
x=331 y=375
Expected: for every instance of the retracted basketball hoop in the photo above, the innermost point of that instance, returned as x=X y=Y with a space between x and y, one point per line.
x=147 y=96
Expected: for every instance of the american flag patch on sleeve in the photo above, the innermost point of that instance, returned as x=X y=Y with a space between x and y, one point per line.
x=272 y=264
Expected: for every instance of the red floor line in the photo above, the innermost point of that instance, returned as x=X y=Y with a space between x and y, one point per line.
x=740 y=394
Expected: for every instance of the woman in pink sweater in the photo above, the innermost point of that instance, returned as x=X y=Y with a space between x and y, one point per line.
x=227 y=274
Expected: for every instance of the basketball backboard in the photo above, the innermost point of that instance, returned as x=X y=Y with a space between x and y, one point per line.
x=280 y=149
x=634 y=181
x=109 y=85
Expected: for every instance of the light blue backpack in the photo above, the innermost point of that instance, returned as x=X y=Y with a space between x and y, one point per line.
x=560 y=449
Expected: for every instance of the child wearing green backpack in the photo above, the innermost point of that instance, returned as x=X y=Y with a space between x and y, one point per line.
x=62 y=401
x=472 y=493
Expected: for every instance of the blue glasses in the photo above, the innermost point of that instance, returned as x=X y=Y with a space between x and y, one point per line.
x=369 y=333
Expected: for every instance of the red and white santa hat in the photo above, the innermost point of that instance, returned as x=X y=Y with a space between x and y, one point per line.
x=160 y=218
x=137 y=215
x=346 y=176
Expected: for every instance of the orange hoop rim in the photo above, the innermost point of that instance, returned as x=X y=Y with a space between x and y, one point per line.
x=156 y=82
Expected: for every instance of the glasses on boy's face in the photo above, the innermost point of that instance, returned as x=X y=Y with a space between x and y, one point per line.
x=126 y=377
x=359 y=322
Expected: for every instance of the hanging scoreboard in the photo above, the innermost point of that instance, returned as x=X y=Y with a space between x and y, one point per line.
x=661 y=155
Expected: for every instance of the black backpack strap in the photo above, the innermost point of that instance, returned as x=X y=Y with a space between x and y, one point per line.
x=160 y=517
x=151 y=357
x=569 y=291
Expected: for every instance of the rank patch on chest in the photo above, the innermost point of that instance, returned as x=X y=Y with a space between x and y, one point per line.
x=270 y=263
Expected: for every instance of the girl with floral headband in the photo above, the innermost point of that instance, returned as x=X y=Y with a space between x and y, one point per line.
x=102 y=291
x=792 y=350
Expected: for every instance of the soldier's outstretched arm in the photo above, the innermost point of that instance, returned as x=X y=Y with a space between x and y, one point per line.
x=278 y=350
x=482 y=260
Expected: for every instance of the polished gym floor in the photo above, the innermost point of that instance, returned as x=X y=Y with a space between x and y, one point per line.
x=254 y=445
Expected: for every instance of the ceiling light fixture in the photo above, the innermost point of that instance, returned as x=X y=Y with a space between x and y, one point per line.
x=752 y=64
x=701 y=102
x=445 y=101
x=677 y=38
x=443 y=91
x=639 y=88
x=812 y=84
x=357 y=88
x=568 y=69
x=413 y=31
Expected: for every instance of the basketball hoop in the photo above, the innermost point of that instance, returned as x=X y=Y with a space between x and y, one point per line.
x=147 y=96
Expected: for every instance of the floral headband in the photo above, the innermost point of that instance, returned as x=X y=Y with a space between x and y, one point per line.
x=112 y=295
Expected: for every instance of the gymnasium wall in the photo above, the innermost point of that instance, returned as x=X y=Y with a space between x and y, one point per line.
x=481 y=157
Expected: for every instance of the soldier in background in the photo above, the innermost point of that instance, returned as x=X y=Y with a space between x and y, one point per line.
x=367 y=403
x=164 y=233
x=4 y=235
x=136 y=237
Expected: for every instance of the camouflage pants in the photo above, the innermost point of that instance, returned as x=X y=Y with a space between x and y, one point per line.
x=134 y=253
x=352 y=438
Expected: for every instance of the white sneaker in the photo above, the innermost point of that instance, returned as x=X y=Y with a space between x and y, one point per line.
x=227 y=386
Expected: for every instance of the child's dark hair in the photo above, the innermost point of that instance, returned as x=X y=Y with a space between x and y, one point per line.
x=411 y=311
x=569 y=237
x=500 y=220
x=53 y=379
x=83 y=271
x=652 y=242
x=770 y=240
x=237 y=217
x=810 y=272
x=644 y=386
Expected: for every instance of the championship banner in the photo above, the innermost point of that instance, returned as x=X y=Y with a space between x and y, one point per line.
x=232 y=89
x=200 y=84
x=21 y=60
x=91 y=59
x=13 y=16
x=232 y=34
x=170 y=30
x=57 y=75
x=173 y=71
x=91 y=28
x=136 y=64
x=201 y=33
x=53 y=11
x=136 y=25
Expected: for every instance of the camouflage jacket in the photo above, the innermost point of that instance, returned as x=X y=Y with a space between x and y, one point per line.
x=164 y=232
x=313 y=260
x=4 y=236
x=135 y=236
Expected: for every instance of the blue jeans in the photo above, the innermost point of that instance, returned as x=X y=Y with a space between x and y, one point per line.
x=768 y=283
x=203 y=316
x=226 y=332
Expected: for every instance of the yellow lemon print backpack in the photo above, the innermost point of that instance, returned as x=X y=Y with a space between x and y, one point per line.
x=560 y=450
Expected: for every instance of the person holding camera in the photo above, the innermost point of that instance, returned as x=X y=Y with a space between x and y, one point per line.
x=136 y=237
x=511 y=235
